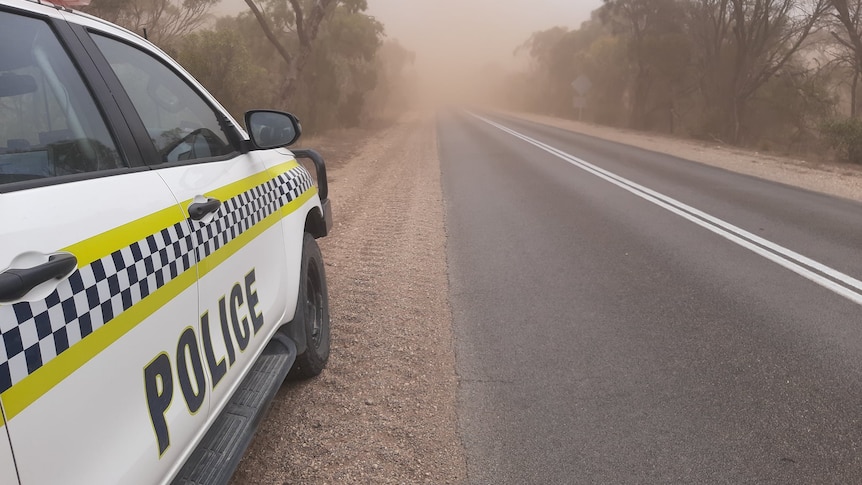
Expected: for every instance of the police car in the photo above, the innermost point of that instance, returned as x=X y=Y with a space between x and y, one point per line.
x=159 y=275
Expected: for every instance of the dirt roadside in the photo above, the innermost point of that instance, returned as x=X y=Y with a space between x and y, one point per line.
x=842 y=180
x=384 y=409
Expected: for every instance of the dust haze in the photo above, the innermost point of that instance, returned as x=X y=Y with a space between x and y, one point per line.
x=464 y=49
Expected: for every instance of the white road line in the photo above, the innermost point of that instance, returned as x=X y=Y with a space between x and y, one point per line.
x=776 y=253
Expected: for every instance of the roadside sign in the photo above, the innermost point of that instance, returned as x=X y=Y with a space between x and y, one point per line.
x=579 y=103
x=582 y=85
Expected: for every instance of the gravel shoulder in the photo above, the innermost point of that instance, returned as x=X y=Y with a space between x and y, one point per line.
x=842 y=180
x=384 y=410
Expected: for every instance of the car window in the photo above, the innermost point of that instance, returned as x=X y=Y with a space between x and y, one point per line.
x=181 y=124
x=49 y=123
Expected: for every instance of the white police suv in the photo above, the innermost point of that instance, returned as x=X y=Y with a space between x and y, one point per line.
x=159 y=274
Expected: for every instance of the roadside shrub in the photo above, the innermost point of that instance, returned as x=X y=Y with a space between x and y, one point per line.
x=846 y=137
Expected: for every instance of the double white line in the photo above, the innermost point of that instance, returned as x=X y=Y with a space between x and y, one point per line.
x=823 y=275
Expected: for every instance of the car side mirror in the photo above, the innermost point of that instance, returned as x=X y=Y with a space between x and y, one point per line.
x=272 y=129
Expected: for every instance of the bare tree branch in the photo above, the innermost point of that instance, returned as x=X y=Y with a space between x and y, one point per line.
x=267 y=31
x=306 y=32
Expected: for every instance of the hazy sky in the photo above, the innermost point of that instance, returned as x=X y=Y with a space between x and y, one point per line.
x=471 y=32
x=465 y=32
x=456 y=40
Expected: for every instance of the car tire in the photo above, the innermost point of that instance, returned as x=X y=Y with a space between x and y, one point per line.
x=312 y=312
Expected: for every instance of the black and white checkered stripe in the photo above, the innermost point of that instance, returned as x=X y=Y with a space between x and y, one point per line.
x=36 y=332
x=237 y=214
x=33 y=333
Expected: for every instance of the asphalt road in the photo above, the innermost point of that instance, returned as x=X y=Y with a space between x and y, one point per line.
x=628 y=317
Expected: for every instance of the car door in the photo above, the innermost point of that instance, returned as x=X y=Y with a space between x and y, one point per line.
x=97 y=271
x=8 y=474
x=233 y=201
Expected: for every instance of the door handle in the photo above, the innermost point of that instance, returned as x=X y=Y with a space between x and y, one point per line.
x=17 y=282
x=199 y=210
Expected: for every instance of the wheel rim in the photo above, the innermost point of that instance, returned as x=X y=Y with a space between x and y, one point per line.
x=314 y=305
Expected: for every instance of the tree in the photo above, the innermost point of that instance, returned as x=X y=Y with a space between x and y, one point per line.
x=846 y=16
x=163 y=21
x=742 y=44
x=331 y=88
x=604 y=62
x=645 y=23
x=341 y=69
x=292 y=16
x=558 y=56
x=541 y=45
x=220 y=60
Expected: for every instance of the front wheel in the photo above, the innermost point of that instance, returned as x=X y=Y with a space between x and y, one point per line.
x=312 y=312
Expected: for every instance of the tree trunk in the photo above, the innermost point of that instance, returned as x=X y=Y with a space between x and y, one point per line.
x=291 y=82
x=738 y=109
x=671 y=116
x=853 y=92
x=306 y=30
x=639 y=98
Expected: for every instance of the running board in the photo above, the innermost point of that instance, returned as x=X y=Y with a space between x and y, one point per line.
x=217 y=456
